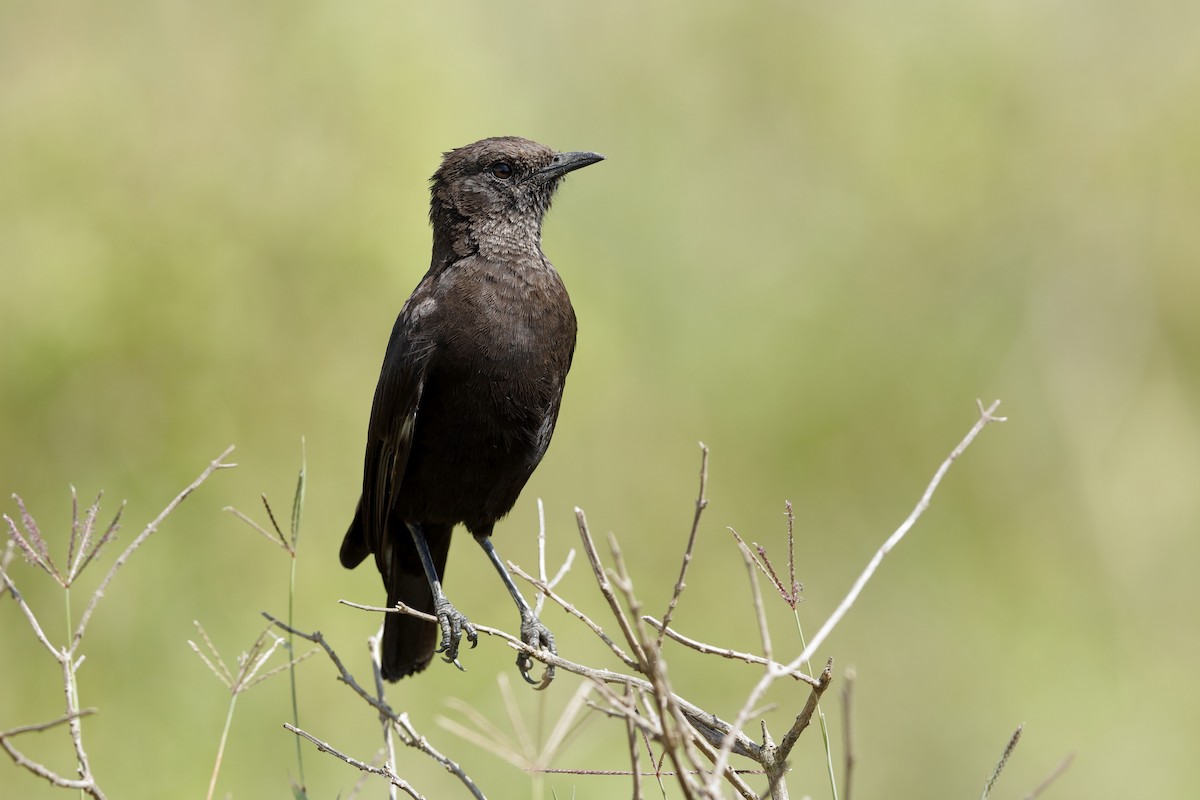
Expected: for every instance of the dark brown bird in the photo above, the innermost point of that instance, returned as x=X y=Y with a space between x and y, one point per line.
x=469 y=392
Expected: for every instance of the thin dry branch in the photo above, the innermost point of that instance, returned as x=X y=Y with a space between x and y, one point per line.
x=701 y=504
x=589 y=549
x=86 y=783
x=986 y=417
x=545 y=580
x=384 y=772
x=30 y=617
x=400 y=722
x=375 y=648
x=724 y=652
x=711 y=727
x=216 y=464
x=631 y=734
x=677 y=738
x=38 y=727
x=805 y=716
x=760 y=613
x=651 y=709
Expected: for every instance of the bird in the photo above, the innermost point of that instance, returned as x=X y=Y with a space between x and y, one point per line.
x=468 y=394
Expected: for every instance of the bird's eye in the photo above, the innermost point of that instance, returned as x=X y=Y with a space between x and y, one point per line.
x=502 y=170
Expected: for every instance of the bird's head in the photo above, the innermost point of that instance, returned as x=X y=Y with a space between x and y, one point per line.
x=491 y=196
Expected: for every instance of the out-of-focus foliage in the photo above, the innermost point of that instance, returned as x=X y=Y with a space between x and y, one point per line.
x=823 y=230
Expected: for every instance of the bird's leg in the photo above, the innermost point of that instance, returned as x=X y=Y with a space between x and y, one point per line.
x=453 y=623
x=533 y=632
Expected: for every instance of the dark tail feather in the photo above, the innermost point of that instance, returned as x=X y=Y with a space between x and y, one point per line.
x=408 y=642
x=354 y=544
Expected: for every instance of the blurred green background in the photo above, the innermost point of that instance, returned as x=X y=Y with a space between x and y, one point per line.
x=822 y=232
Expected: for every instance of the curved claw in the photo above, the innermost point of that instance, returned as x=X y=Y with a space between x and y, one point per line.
x=539 y=637
x=453 y=624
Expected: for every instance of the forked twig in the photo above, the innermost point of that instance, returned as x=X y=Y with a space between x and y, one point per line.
x=400 y=722
x=986 y=417
x=147 y=532
x=701 y=504
x=384 y=772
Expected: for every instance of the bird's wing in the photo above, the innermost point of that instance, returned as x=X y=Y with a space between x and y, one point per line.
x=394 y=415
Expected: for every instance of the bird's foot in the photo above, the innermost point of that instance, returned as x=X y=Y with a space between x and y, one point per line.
x=539 y=637
x=453 y=624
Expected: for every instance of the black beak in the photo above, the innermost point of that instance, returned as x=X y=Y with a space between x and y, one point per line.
x=562 y=163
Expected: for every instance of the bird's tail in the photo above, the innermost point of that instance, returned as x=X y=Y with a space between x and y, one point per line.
x=408 y=642
x=354 y=543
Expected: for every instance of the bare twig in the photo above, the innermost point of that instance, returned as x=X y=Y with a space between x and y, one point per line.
x=44 y=726
x=805 y=715
x=85 y=785
x=356 y=789
x=546 y=581
x=589 y=549
x=375 y=648
x=82 y=548
x=724 y=652
x=701 y=504
x=710 y=726
x=34 y=625
x=325 y=747
x=986 y=417
x=631 y=733
x=149 y=530
x=400 y=722
x=675 y=734
x=760 y=613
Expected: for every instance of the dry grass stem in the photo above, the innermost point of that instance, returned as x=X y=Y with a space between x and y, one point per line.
x=848 y=731
x=82 y=547
x=1058 y=770
x=1008 y=751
